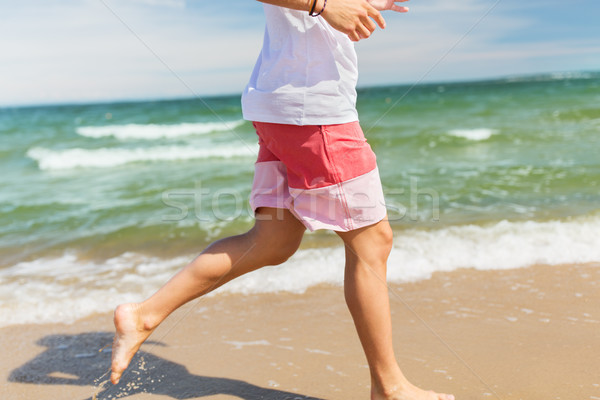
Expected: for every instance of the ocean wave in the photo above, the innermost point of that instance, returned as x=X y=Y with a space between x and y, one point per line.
x=111 y=157
x=417 y=254
x=555 y=76
x=64 y=289
x=43 y=290
x=155 y=131
x=473 y=134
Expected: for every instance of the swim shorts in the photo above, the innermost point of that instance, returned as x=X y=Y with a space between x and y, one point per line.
x=326 y=175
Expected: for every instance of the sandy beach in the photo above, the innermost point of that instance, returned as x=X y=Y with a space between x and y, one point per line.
x=530 y=333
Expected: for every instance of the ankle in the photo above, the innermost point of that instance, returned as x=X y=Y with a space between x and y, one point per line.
x=135 y=312
x=397 y=391
x=148 y=320
x=389 y=382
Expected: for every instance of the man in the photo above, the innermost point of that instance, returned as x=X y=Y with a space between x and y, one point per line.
x=314 y=170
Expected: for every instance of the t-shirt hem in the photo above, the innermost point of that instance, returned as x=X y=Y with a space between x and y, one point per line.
x=306 y=120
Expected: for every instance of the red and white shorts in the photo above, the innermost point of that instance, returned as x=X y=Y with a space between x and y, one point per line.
x=326 y=175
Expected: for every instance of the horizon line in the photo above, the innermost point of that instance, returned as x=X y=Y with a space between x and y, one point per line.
x=539 y=76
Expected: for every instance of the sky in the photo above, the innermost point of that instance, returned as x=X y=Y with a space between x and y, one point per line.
x=74 y=51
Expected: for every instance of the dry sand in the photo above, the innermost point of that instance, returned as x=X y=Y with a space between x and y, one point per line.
x=531 y=333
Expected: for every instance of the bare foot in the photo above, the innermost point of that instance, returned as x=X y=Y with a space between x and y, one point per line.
x=408 y=392
x=131 y=332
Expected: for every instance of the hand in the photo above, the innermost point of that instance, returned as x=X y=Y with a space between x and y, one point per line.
x=353 y=17
x=383 y=5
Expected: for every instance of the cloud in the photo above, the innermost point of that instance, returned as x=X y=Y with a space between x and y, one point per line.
x=440 y=41
x=86 y=50
x=83 y=52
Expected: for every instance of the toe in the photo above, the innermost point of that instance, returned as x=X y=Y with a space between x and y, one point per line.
x=115 y=377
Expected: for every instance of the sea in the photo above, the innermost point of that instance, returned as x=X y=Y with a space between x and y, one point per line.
x=101 y=203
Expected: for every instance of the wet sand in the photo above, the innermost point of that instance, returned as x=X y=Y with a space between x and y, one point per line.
x=531 y=333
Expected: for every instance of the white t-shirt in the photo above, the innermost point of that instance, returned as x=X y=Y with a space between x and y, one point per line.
x=305 y=74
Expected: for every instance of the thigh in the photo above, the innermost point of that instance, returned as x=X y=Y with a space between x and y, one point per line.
x=277 y=228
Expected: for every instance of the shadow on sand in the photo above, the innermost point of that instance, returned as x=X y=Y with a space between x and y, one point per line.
x=75 y=360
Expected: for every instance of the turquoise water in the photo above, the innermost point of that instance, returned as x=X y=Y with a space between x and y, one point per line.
x=135 y=184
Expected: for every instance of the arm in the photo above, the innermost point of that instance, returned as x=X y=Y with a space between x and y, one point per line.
x=352 y=17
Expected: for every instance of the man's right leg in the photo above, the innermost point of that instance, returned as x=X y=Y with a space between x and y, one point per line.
x=366 y=292
x=275 y=236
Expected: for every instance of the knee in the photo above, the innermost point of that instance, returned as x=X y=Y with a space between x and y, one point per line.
x=278 y=253
x=382 y=242
x=387 y=238
x=275 y=250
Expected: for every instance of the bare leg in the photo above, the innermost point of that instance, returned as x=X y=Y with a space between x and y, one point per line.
x=275 y=237
x=365 y=289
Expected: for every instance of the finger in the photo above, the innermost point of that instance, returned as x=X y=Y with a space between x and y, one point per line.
x=364 y=32
x=398 y=8
x=376 y=15
x=354 y=36
x=367 y=23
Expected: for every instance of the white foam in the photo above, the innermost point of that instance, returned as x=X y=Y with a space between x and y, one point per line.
x=419 y=253
x=111 y=157
x=64 y=289
x=503 y=245
x=556 y=76
x=155 y=131
x=473 y=134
